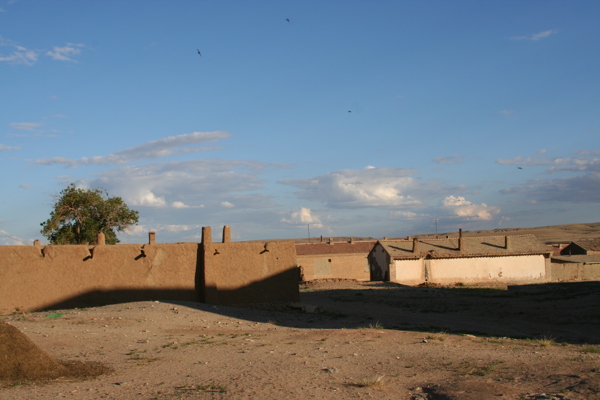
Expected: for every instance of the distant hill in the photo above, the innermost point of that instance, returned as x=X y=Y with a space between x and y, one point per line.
x=547 y=234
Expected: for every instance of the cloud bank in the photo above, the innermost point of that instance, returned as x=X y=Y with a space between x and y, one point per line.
x=368 y=187
x=170 y=146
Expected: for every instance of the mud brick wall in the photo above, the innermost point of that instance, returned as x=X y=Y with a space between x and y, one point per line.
x=237 y=273
x=52 y=277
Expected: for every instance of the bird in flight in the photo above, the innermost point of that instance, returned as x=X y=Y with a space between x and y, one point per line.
x=200 y=54
x=287 y=19
x=520 y=167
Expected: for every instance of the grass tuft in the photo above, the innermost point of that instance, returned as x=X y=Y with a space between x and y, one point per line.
x=376 y=381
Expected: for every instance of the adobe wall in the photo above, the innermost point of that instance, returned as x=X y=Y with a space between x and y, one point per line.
x=528 y=268
x=236 y=273
x=408 y=272
x=338 y=266
x=570 y=272
x=525 y=268
x=54 y=277
x=34 y=277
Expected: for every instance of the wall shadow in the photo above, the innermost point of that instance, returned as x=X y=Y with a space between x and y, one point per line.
x=276 y=288
x=99 y=298
x=563 y=312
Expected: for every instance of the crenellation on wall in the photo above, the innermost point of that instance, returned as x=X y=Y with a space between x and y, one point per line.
x=226 y=234
x=100 y=239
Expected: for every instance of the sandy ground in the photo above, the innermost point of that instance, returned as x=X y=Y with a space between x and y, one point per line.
x=345 y=340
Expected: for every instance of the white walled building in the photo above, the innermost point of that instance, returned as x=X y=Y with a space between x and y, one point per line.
x=521 y=258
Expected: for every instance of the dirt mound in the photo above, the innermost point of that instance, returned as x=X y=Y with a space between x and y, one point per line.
x=22 y=360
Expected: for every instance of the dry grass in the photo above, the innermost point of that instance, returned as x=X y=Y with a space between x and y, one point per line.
x=376 y=381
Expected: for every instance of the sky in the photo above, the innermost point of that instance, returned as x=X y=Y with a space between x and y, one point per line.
x=284 y=119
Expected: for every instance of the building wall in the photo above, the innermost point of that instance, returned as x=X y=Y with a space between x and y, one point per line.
x=35 y=277
x=528 y=268
x=339 y=266
x=379 y=262
x=570 y=272
x=237 y=273
x=408 y=272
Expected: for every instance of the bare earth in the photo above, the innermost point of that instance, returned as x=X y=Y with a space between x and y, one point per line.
x=346 y=340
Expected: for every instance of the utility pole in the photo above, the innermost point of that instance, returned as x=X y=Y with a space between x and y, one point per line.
x=435 y=221
x=308 y=225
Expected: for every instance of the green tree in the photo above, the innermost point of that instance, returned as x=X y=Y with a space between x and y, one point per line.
x=79 y=215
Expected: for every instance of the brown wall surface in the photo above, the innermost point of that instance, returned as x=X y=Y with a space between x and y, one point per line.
x=236 y=273
x=36 y=277
x=334 y=260
x=338 y=266
x=33 y=277
x=570 y=272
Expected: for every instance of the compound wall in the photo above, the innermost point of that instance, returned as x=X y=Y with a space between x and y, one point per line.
x=572 y=272
x=46 y=277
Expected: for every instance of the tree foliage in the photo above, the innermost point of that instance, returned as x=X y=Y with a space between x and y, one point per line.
x=80 y=214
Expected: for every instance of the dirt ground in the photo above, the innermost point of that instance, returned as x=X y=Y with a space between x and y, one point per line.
x=344 y=340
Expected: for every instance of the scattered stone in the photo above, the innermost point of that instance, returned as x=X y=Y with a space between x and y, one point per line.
x=544 y=396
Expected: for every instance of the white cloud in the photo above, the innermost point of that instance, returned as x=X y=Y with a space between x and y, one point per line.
x=303 y=217
x=507 y=113
x=536 y=36
x=180 y=204
x=25 y=186
x=25 y=126
x=8 y=239
x=175 y=228
x=20 y=56
x=136 y=230
x=454 y=159
x=227 y=204
x=66 y=52
x=180 y=184
x=575 y=189
x=369 y=187
x=148 y=199
x=461 y=207
x=586 y=161
x=405 y=215
x=169 y=146
x=8 y=148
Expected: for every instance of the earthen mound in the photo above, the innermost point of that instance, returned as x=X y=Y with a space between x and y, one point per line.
x=21 y=360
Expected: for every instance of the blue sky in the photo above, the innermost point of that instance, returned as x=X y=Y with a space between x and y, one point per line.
x=365 y=118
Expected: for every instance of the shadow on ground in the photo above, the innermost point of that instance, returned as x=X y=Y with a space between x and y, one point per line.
x=563 y=312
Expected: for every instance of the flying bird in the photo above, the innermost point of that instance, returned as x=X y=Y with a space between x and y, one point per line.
x=520 y=167
x=287 y=19
x=200 y=54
